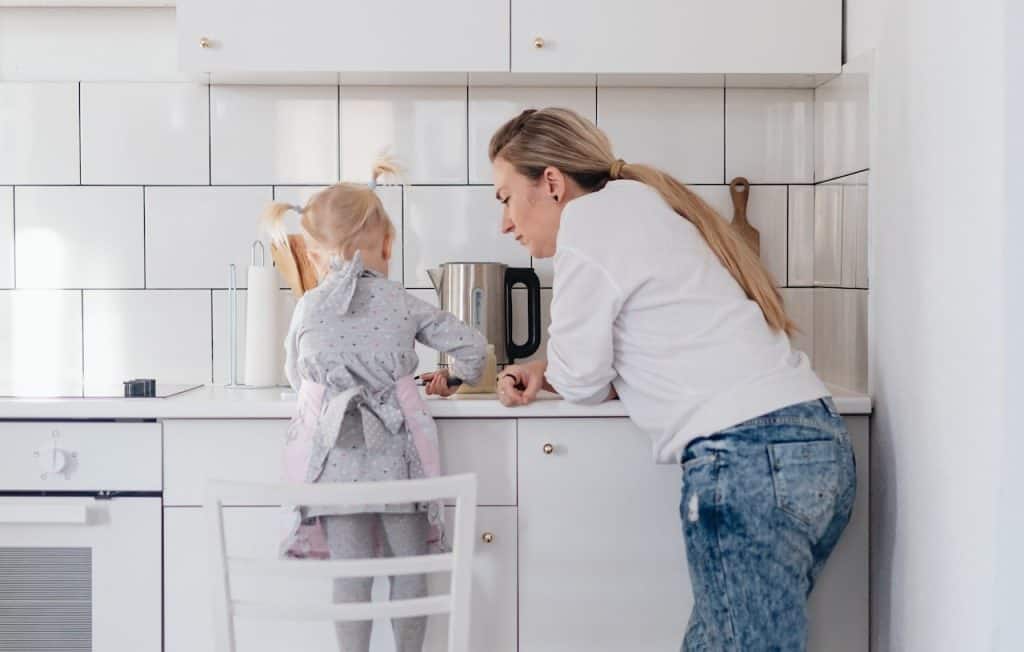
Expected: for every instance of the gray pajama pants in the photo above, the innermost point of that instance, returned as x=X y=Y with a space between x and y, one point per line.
x=352 y=536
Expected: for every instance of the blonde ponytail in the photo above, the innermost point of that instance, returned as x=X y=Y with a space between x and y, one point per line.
x=272 y=222
x=561 y=138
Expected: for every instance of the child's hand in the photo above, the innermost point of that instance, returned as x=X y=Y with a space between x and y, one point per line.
x=436 y=383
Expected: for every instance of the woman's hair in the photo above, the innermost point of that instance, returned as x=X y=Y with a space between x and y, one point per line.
x=560 y=138
x=340 y=219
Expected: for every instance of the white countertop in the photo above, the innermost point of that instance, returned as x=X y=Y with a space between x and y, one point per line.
x=217 y=402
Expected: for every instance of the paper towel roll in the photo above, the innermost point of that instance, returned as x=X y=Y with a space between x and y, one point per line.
x=264 y=336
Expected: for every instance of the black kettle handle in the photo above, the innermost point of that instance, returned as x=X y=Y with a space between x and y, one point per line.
x=527 y=277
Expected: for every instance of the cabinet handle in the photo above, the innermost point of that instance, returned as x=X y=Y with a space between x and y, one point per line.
x=538 y=43
x=548 y=449
x=487 y=537
x=204 y=43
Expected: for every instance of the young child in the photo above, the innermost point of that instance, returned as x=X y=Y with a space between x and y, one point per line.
x=350 y=356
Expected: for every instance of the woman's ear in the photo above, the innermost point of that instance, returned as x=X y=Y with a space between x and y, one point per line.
x=553 y=182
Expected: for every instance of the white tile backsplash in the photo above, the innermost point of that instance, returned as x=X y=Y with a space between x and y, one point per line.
x=769 y=135
x=676 y=129
x=222 y=333
x=390 y=197
x=38 y=132
x=766 y=212
x=41 y=343
x=491 y=107
x=6 y=237
x=78 y=237
x=153 y=334
x=423 y=128
x=194 y=234
x=145 y=133
x=454 y=224
x=274 y=134
x=158 y=225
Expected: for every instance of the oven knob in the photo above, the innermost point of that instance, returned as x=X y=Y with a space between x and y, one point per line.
x=52 y=460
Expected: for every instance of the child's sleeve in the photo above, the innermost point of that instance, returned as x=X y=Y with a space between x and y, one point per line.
x=445 y=332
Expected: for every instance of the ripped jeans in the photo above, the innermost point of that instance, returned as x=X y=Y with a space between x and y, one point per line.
x=763 y=505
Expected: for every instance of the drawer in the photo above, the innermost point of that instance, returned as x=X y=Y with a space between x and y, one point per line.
x=196 y=451
x=80 y=456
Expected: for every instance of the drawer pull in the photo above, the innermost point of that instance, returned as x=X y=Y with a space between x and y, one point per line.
x=488 y=537
x=548 y=449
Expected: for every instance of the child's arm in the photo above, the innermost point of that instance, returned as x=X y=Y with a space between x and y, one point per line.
x=444 y=331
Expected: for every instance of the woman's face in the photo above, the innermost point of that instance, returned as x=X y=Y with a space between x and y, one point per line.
x=531 y=210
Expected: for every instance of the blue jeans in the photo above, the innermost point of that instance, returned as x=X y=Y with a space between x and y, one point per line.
x=763 y=505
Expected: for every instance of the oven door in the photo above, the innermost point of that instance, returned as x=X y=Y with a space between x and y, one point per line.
x=80 y=574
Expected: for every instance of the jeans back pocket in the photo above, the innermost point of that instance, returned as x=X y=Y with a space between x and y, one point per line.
x=806 y=478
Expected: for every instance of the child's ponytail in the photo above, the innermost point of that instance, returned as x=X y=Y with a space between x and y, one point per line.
x=272 y=222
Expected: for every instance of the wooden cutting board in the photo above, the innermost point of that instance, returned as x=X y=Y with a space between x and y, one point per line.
x=739 y=188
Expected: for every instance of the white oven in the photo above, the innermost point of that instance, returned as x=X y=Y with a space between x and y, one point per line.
x=80 y=537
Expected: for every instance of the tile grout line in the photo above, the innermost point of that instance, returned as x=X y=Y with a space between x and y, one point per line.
x=841 y=176
x=209 y=133
x=725 y=136
x=80 y=158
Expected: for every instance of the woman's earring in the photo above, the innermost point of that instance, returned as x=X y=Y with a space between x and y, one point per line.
x=556 y=199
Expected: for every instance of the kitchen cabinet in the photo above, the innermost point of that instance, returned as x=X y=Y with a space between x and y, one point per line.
x=676 y=36
x=601 y=554
x=343 y=35
x=254 y=531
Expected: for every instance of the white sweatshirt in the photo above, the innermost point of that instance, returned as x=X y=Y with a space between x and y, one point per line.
x=641 y=303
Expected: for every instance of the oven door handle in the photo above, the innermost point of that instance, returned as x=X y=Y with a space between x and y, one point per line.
x=39 y=512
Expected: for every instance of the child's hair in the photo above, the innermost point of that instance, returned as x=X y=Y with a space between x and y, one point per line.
x=340 y=219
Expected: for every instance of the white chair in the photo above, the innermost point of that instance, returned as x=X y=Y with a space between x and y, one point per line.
x=459 y=562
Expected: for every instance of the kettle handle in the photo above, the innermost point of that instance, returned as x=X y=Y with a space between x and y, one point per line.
x=528 y=277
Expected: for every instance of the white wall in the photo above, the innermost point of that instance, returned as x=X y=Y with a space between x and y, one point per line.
x=939 y=334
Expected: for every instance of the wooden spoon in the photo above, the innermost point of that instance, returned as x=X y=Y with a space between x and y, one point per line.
x=739 y=188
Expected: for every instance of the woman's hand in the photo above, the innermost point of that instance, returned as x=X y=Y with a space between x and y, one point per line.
x=519 y=384
x=436 y=383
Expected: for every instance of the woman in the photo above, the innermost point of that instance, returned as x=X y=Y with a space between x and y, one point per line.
x=658 y=302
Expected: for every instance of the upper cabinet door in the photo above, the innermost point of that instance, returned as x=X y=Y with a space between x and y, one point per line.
x=677 y=36
x=343 y=35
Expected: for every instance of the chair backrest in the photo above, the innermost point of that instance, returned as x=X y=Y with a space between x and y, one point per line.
x=459 y=562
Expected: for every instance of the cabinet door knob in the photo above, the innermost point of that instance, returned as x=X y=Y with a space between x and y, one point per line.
x=204 y=43
x=548 y=449
x=487 y=537
x=538 y=43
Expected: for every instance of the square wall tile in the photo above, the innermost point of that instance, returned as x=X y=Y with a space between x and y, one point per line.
x=676 y=129
x=841 y=337
x=274 y=134
x=429 y=358
x=6 y=237
x=454 y=224
x=801 y=236
x=144 y=333
x=422 y=127
x=855 y=231
x=828 y=235
x=136 y=133
x=39 y=133
x=222 y=333
x=769 y=135
x=491 y=107
x=841 y=126
x=194 y=234
x=41 y=343
x=766 y=212
x=78 y=237
x=799 y=304
x=390 y=196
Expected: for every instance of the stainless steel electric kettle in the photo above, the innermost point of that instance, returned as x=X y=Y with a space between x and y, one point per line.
x=480 y=294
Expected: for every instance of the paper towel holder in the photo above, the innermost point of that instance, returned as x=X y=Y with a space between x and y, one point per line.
x=233 y=382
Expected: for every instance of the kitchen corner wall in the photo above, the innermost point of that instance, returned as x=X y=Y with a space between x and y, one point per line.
x=123 y=203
